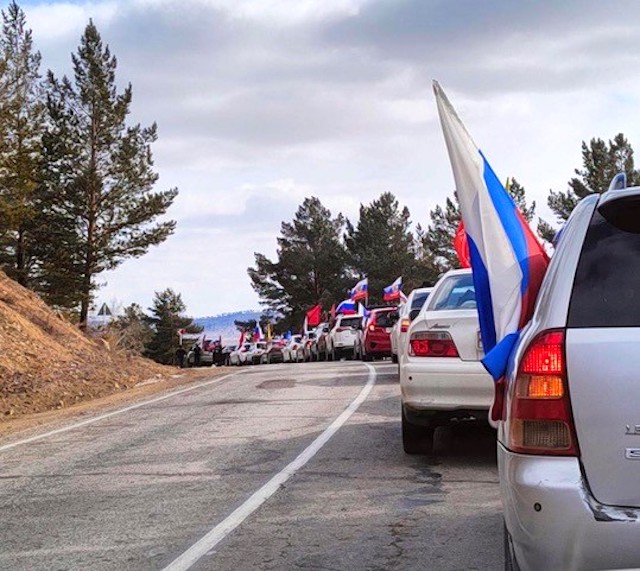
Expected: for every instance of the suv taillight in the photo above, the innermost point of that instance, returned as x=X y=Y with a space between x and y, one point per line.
x=432 y=344
x=540 y=418
x=404 y=325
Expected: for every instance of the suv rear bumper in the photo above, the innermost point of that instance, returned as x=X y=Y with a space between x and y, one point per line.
x=571 y=530
x=429 y=383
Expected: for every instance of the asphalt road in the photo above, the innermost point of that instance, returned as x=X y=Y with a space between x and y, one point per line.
x=254 y=472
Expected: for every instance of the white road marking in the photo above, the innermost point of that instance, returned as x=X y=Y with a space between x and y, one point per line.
x=233 y=520
x=113 y=413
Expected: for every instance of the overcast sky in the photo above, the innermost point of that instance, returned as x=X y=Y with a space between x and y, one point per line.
x=260 y=103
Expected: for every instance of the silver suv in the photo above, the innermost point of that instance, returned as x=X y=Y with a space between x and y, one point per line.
x=569 y=429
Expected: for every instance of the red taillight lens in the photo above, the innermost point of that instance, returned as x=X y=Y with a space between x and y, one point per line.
x=545 y=356
x=432 y=344
x=540 y=421
x=404 y=325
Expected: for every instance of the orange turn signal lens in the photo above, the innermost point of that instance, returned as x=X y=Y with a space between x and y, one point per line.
x=541 y=387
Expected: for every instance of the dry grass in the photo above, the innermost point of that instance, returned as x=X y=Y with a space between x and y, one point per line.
x=46 y=363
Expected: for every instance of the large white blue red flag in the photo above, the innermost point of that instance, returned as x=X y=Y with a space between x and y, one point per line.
x=393 y=291
x=507 y=260
x=347 y=307
x=360 y=290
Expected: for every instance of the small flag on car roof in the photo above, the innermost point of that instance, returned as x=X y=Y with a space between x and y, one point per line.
x=360 y=290
x=392 y=292
x=346 y=307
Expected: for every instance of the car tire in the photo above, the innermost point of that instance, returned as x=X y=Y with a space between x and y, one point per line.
x=366 y=357
x=416 y=439
x=510 y=563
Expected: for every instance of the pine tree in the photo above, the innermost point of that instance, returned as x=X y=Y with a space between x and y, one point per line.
x=601 y=161
x=438 y=239
x=21 y=127
x=381 y=245
x=166 y=319
x=427 y=270
x=311 y=265
x=98 y=187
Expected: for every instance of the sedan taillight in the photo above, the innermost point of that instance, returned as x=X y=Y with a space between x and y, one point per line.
x=404 y=325
x=432 y=344
x=540 y=419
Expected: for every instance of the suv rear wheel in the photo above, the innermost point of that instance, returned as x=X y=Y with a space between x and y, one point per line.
x=416 y=439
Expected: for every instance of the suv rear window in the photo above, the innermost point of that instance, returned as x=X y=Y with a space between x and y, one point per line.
x=606 y=288
x=350 y=322
x=382 y=319
x=419 y=299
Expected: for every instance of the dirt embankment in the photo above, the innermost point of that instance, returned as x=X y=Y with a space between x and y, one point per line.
x=46 y=363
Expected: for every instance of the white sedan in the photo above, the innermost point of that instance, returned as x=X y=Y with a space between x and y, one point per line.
x=256 y=353
x=239 y=356
x=441 y=376
x=407 y=312
x=293 y=351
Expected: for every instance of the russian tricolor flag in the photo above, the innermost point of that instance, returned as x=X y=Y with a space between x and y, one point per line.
x=507 y=260
x=347 y=307
x=257 y=332
x=392 y=292
x=360 y=291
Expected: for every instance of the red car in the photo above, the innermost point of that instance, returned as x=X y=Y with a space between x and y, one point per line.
x=377 y=334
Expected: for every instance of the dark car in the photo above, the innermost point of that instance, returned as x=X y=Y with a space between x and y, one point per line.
x=376 y=342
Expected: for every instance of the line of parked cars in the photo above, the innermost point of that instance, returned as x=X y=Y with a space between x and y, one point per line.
x=348 y=336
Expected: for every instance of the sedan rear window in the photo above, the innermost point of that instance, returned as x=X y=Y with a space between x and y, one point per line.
x=606 y=288
x=456 y=292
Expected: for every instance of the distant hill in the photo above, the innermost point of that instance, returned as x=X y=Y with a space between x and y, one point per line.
x=222 y=325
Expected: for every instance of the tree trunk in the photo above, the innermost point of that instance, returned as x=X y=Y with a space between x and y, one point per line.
x=21 y=273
